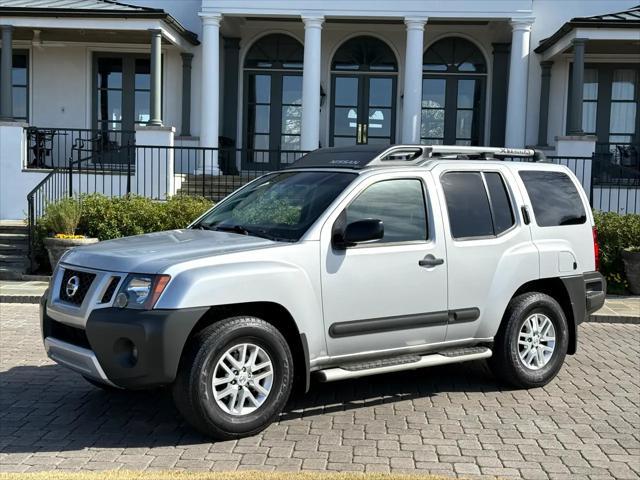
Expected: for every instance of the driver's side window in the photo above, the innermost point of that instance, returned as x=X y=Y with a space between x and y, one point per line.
x=400 y=204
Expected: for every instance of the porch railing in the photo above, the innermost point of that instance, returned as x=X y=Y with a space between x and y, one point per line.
x=617 y=164
x=52 y=147
x=157 y=172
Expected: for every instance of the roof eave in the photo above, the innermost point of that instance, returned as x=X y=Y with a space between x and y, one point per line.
x=188 y=35
x=548 y=42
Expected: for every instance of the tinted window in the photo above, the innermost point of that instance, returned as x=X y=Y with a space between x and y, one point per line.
x=467 y=204
x=399 y=204
x=554 y=198
x=500 y=205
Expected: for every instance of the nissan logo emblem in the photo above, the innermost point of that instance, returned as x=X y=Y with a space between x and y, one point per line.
x=72 y=286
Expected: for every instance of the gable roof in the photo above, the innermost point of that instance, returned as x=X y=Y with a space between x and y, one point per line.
x=91 y=8
x=626 y=19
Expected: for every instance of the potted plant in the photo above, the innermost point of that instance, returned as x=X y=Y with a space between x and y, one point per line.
x=631 y=259
x=62 y=219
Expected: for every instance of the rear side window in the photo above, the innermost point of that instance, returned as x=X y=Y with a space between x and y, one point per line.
x=476 y=210
x=554 y=198
x=501 y=209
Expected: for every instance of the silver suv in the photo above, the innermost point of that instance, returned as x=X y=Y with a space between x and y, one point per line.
x=352 y=262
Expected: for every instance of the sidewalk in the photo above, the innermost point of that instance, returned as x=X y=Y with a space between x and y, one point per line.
x=616 y=309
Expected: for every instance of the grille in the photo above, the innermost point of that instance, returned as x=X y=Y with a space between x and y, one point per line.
x=84 y=282
x=108 y=293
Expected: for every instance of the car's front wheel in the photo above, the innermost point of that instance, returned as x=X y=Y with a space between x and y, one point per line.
x=235 y=377
x=532 y=342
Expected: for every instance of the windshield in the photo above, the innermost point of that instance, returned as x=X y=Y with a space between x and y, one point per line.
x=281 y=206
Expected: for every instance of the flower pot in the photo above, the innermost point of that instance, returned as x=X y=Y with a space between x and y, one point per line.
x=632 y=268
x=58 y=246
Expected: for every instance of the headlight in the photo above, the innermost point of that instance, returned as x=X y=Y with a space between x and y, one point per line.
x=141 y=291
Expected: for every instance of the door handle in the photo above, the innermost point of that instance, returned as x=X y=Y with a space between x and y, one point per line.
x=365 y=133
x=430 y=261
x=359 y=133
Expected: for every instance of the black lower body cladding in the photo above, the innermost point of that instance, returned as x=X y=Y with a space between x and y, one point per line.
x=140 y=348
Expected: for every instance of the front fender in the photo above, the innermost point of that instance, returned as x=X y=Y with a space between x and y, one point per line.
x=279 y=282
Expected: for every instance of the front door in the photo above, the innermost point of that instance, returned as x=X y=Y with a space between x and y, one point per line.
x=377 y=296
x=362 y=110
x=452 y=110
x=121 y=101
x=273 y=112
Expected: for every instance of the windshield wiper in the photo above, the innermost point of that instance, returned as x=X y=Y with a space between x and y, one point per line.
x=239 y=229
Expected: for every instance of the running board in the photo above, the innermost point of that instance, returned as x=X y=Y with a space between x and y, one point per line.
x=405 y=362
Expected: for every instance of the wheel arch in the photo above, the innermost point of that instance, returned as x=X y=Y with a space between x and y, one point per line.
x=278 y=316
x=557 y=289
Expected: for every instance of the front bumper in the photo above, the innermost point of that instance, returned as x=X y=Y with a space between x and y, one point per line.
x=123 y=347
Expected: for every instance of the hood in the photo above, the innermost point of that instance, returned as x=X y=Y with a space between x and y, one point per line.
x=152 y=252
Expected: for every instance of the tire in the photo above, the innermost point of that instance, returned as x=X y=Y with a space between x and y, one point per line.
x=202 y=362
x=507 y=362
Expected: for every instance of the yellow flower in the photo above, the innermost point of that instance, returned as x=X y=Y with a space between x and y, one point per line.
x=68 y=237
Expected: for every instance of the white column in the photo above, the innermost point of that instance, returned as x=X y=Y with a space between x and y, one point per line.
x=210 y=96
x=310 y=130
x=412 y=100
x=518 y=73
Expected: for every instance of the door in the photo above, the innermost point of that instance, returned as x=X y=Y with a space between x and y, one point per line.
x=376 y=296
x=452 y=110
x=121 y=101
x=273 y=112
x=362 y=110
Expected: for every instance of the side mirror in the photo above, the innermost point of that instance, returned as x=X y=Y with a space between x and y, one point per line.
x=361 y=231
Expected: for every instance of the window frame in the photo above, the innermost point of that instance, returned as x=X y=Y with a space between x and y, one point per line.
x=27 y=86
x=425 y=203
x=603 y=101
x=510 y=197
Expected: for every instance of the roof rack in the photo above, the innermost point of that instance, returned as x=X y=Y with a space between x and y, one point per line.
x=370 y=156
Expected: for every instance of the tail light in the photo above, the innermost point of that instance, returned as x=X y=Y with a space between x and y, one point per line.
x=596 y=248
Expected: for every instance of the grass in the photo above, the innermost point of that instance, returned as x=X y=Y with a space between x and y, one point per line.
x=246 y=475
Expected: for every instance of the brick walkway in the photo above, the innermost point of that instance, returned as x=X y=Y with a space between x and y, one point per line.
x=452 y=420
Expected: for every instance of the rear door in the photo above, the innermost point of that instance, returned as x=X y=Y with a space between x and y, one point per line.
x=489 y=248
x=376 y=296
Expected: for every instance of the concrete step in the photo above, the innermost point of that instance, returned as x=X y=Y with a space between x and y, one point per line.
x=20 y=248
x=13 y=229
x=14 y=237
x=8 y=273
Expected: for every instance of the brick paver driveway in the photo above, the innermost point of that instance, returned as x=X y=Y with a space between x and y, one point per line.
x=453 y=420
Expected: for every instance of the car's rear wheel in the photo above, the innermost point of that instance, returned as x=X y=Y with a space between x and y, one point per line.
x=532 y=342
x=235 y=377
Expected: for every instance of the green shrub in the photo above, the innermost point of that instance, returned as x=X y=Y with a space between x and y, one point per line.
x=615 y=233
x=105 y=218
x=62 y=217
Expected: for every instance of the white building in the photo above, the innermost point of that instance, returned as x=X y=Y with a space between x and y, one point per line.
x=285 y=75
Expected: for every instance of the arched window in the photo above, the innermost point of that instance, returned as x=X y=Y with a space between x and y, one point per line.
x=364 y=53
x=272 y=101
x=363 y=100
x=453 y=93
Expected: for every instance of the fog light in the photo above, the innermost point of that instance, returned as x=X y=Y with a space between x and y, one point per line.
x=121 y=300
x=125 y=352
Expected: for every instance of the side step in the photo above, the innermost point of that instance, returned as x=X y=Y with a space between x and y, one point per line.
x=403 y=362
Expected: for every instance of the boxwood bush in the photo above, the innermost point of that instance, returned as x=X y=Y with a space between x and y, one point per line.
x=615 y=233
x=106 y=218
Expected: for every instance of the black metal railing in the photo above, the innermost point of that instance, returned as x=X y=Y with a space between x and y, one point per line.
x=617 y=164
x=52 y=147
x=156 y=172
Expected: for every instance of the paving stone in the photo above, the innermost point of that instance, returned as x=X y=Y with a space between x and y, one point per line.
x=454 y=420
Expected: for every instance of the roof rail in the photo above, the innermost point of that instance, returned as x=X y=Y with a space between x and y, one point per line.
x=368 y=156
